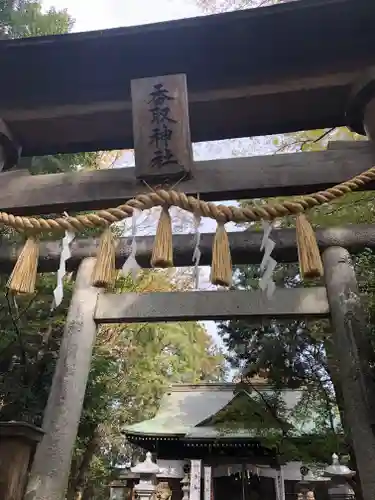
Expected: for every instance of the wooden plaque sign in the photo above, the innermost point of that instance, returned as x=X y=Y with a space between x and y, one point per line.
x=161 y=129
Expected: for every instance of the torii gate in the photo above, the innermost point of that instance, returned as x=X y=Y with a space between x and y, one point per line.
x=232 y=95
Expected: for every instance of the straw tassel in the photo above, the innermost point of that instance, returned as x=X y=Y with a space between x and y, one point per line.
x=309 y=258
x=104 y=272
x=162 y=253
x=23 y=277
x=221 y=268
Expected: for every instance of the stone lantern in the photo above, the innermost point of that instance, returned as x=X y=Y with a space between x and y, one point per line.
x=117 y=491
x=339 y=488
x=147 y=471
x=304 y=487
x=185 y=483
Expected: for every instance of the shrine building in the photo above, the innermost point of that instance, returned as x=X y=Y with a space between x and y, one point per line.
x=204 y=429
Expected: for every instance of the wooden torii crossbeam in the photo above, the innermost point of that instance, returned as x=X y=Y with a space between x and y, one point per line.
x=189 y=306
x=228 y=179
x=217 y=94
x=244 y=248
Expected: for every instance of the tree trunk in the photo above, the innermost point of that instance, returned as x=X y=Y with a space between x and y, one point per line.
x=77 y=484
x=89 y=493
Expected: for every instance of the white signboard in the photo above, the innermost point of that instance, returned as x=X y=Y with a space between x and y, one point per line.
x=207 y=483
x=195 y=479
x=280 y=485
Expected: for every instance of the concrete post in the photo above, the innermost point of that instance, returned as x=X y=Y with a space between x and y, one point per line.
x=350 y=343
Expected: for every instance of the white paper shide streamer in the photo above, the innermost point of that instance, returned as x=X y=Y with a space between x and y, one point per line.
x=268 y=263
x=58 y=293
x=197 y=253
x=131 y=265
x=207 y=482
x=280 y=484
x=195 y=480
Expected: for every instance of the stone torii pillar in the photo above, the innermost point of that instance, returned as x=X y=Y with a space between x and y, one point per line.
x=349 y=333
x=51 y=467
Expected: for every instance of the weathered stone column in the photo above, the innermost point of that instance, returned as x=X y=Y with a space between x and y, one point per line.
x=361 y=119
x=351 y=349
x=51 y=467
x=17 y=445
x=147 y=471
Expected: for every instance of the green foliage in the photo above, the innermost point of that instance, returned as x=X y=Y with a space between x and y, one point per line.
x=29 y=343
x=23 y=18
x=60 y=163
x=293 y=355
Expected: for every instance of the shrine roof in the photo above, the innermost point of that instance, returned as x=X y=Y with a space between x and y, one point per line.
x=269 y=70
x=188 y=411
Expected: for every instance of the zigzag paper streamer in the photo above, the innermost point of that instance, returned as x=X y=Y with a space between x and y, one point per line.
x=197 y=253
x=58 y=293
x=268 y=263
x=131 y=265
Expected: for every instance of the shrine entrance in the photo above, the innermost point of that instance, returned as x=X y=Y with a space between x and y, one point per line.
x=243 y=485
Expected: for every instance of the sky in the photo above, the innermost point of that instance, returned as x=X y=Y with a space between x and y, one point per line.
x=103 y=14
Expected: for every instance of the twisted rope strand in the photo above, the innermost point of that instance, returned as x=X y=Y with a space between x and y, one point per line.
x=221 y=213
